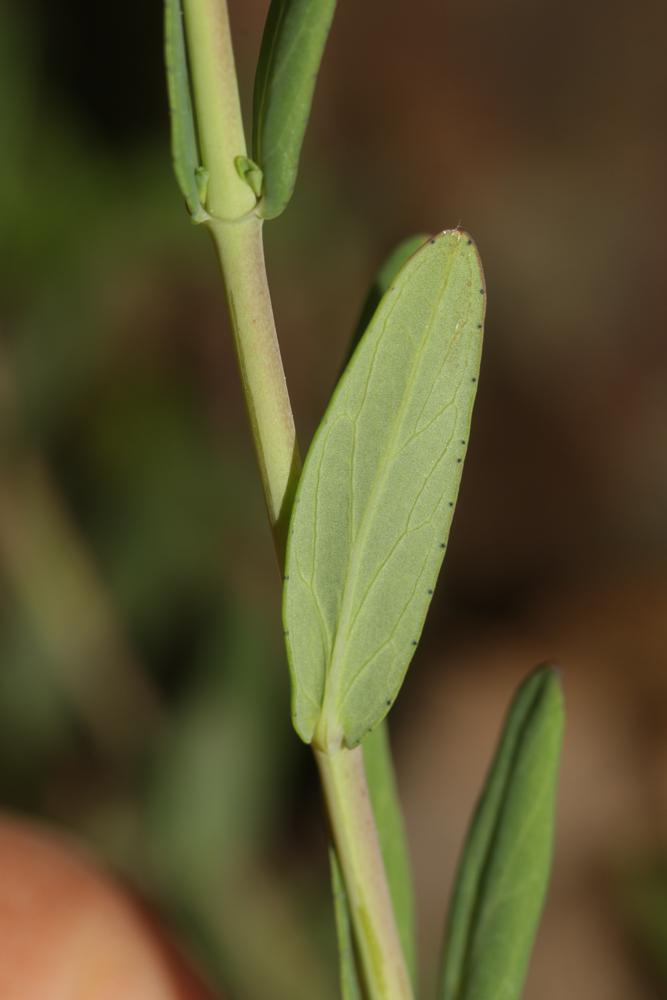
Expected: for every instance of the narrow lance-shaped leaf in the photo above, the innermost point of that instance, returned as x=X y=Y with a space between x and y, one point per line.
x=350 y=980
x=504 y=870
x=375 y=501
x=292 y=47
x=184 y=147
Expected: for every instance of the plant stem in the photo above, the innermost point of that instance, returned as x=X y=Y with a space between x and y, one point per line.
x=237 y=232
x=242 y=260
x=358 y=847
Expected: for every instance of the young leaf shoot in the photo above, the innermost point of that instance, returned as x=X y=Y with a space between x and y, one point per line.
x=503 y=874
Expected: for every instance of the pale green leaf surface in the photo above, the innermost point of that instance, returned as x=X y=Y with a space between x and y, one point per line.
x=292 y=47
x=503 y=874
x=389 y=821
x=350 y=982
x=184 y=147
x=375 y=500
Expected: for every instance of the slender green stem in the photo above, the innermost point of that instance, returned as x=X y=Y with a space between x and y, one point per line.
x=356 y=838
x=237 y=232
x=242 y=260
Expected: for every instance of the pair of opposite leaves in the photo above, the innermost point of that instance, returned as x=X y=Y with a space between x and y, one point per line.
x=290 y=55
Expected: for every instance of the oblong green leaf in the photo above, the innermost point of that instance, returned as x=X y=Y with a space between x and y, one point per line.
x=184 y=147
x=504 y=871
x=375 y=501
x=292 y=47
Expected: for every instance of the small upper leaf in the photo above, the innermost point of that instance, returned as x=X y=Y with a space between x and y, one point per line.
x=503 y=874
x=292 y=47
x=374 y=504
x=184 y=148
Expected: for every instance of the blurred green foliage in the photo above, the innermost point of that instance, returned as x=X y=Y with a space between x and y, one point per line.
x=139 y=702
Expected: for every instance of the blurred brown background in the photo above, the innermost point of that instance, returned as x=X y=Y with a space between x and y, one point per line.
x=143 y=691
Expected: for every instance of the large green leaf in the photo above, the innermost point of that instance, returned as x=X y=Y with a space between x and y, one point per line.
x=292 y=47
x=375 y=501
x=503 y=874
x=184 y=148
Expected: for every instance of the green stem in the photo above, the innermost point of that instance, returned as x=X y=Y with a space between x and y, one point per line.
x=358 y=847
x=242 y=259
x=237 y=233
